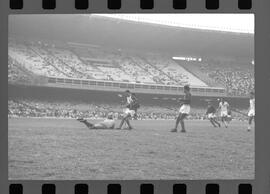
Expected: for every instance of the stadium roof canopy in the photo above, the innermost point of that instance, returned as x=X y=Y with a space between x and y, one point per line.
x=120 y=33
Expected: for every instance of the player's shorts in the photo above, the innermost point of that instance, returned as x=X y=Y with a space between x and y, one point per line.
x=251 y=113
x=224 y=114
x=211 y=115
x=184 y=109
x=127 y=111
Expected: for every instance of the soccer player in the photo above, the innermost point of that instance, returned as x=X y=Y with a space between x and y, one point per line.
x=129 y=111
x=135 y=105
x=108 y=123
x=251 y=112
x=211 y=114
x=184 y=110
x=223 y=107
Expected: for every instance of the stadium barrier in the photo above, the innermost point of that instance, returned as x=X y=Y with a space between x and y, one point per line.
x=136 y=87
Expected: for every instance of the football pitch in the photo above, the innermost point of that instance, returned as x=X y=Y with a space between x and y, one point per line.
x=59 y=149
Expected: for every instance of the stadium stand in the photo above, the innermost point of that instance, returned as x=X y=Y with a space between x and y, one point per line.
x=30 y=60
x=193 y=67
x=174 y=71
x=32 y=108
x=237 y=78
x=16 y=73
x=135 y=68
x=94 y=62
x=37 y=108
x=103 y=64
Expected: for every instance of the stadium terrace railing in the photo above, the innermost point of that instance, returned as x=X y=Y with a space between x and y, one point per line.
x=135 y=87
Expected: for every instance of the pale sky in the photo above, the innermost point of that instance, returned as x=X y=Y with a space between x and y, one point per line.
x=223 y=22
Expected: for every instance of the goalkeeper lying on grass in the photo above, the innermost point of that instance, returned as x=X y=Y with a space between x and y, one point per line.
x=108 y=123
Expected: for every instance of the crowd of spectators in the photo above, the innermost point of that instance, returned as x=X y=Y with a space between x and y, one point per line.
x=237 y=79
x=15 y=74
x=172 y=70
x=33 y=108
x=98 y=63
x=30 y=60
x=127 y=66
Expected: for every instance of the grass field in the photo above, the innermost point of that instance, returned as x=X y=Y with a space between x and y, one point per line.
x=65 y=149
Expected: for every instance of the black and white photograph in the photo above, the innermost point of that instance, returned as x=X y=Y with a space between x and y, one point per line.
x=131 y=97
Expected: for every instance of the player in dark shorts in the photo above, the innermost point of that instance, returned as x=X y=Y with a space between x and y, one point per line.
x=184 y=110
x=130 y=110
x=211 y=114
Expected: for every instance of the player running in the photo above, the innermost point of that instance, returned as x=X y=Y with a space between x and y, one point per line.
x=184 y=110
x=223 y=108
x=211 y=114
x=131 y=109
x=251 y=112
x=108 y=123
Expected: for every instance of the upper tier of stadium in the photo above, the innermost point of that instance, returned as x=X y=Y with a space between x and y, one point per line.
x=130 y=34
x=131 y=52
x=79 y=61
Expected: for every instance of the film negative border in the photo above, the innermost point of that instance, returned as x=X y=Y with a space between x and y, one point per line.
x=148 y=188
x=144 y=4
x=261 y=182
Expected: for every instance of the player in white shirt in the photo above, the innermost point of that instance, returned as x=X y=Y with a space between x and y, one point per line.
x=184 y=110
x=251 y=112
x=223 y=108
x=211 y=114
x=108 y=123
